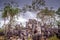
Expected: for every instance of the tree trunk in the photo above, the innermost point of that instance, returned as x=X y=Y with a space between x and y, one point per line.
x=10 y=22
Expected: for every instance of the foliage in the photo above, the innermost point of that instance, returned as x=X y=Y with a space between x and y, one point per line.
x=35 y=5
x=9 y=11
x=53 y=38
x=1 y=30
x=58 y=11
x=46 y=12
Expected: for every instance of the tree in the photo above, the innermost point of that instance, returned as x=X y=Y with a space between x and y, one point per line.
x=58 y=11
x=58 y=33
x=46 y=12
x=9 y=11
x=4 y=13
x=35 y=5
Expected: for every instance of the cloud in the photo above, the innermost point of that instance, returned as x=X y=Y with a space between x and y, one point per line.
x=29 y=15
x=23 y=18
x=1 y=23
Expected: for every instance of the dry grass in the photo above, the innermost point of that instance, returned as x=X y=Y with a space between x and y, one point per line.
x=2 y=38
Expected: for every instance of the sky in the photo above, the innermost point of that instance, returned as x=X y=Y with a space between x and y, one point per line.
x=49 y=3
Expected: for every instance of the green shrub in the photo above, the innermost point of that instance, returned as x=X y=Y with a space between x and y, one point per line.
x=1 y=30
x=53 y=38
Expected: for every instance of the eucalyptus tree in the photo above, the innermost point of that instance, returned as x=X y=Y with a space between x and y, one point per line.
x=34 y=6
x=58 y=33
x=45 y=15
x=58 y=11
x=45 y=12
x=4 y=13
x=9 y=11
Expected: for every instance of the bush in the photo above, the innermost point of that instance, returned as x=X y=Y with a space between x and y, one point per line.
x=1 y=32
x=53 y=38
